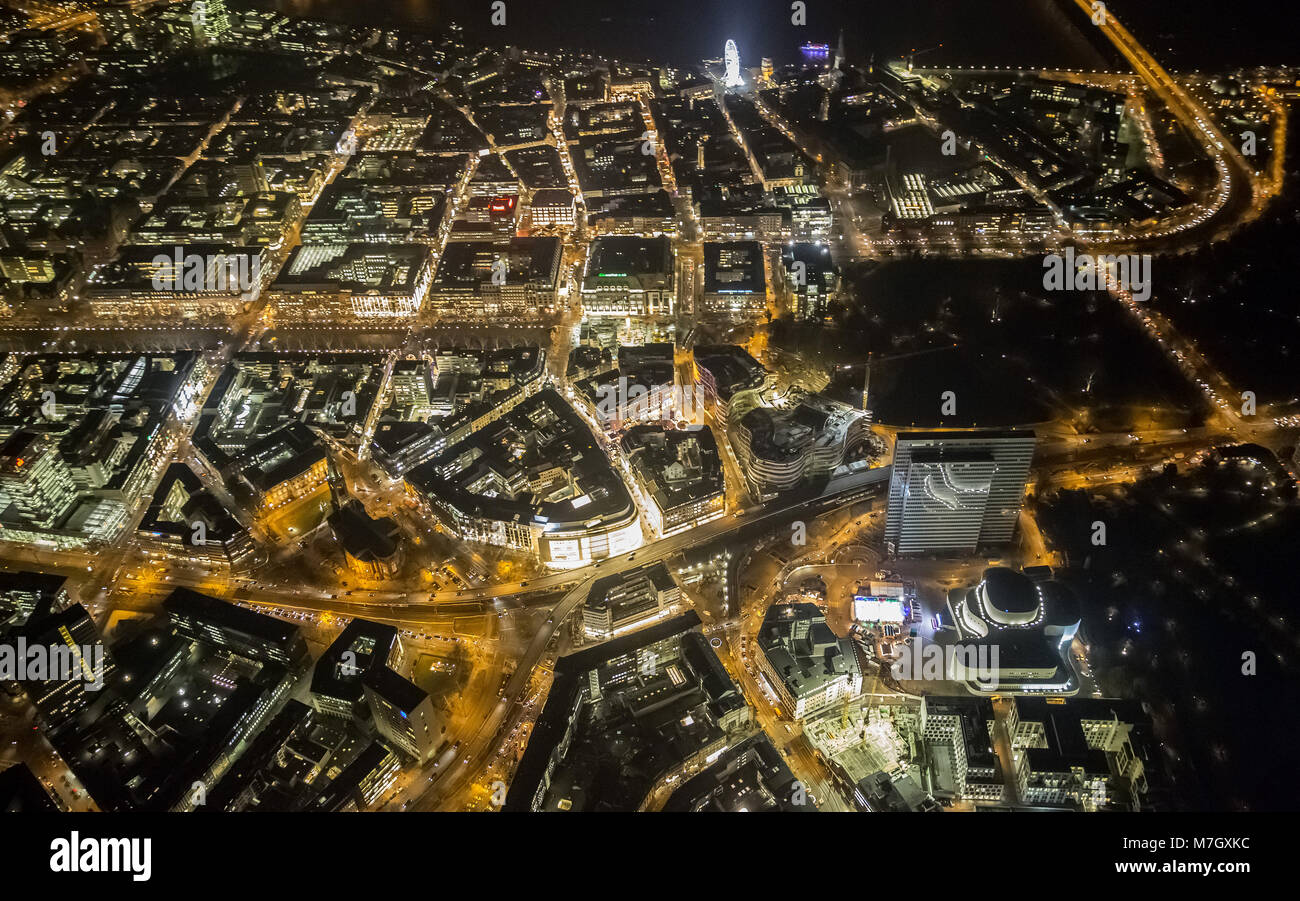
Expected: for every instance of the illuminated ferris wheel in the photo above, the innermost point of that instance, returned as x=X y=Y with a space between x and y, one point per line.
x=731 y=59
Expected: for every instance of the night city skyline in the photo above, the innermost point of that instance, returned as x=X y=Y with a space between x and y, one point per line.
x=684 y=407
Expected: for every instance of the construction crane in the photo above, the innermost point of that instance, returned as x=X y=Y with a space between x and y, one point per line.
x=914 y=53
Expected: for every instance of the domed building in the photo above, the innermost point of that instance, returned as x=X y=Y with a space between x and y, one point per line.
x=1226 y=85
x=1021 y=623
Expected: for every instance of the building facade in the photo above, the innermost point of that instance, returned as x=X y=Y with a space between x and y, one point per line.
x=956 y=490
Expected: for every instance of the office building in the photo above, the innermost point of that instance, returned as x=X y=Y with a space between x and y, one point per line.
x=956 y=491
x=553 y=207
x=30 y=595
x=641 y=389
x=802 y=661
x=658 y=696
x=35 y=479
x=187 y=522
x=734 y=280
x=352 y=281
x=535 y=480
x=248 y=633
x=77 y=665
x=361 y=783
x=678 y=474
x=336 y=683
x=750 y=777
x=628 y=599
x=812 y=279
x=628 y=276
x=81 y=441
x=404 y=713
x=289 y=473
x=211 y=21
x=509 y=277
x=1082 y=754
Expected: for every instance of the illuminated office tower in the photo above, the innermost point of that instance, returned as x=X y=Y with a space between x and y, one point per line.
x=80 y=665
x=403 y=713
x=956 y=490
x=945 y=746
x=35 y=479
x=211 y=20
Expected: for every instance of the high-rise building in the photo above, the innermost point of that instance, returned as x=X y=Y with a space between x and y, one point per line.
x=956 y=490
x=404 y=713
x=67 y=665
x=211 y=20
x=945 y=746
x=35 y=479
